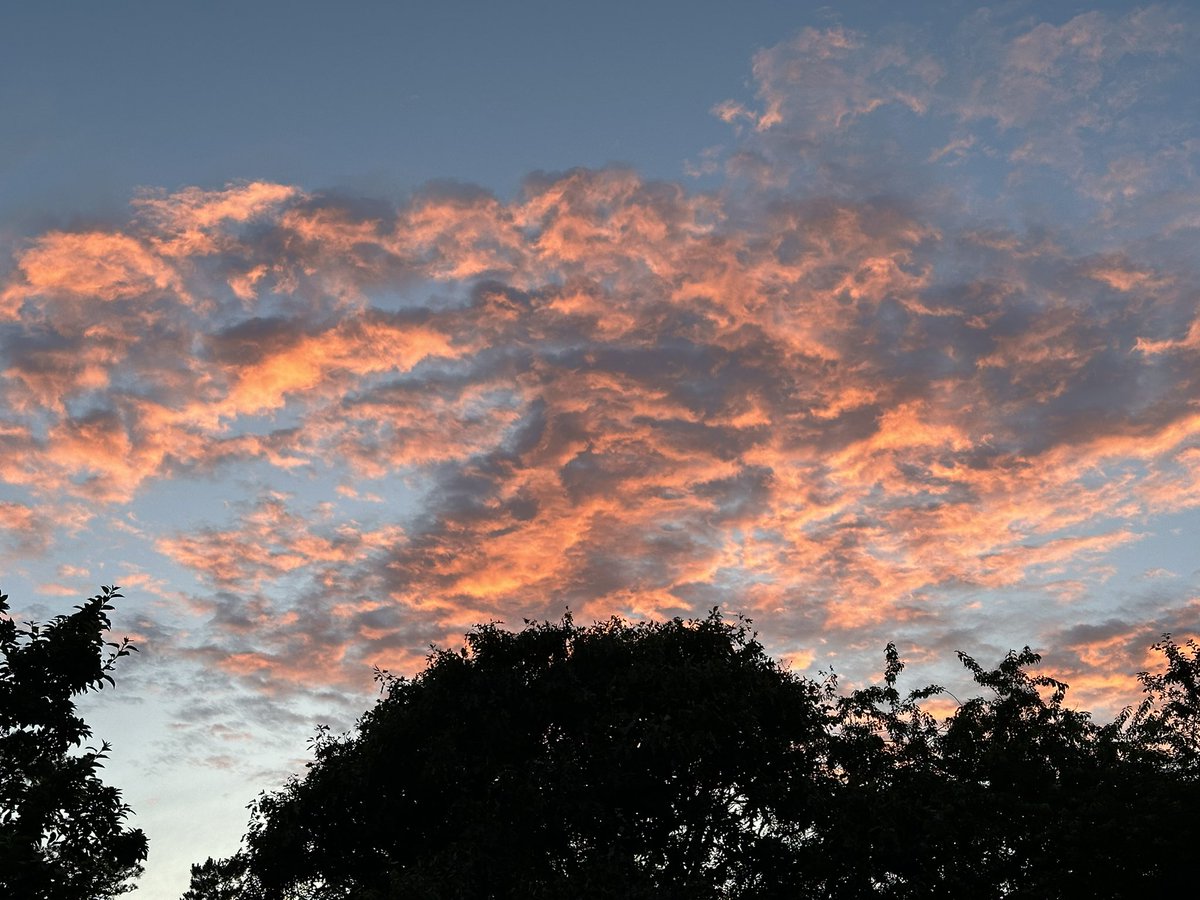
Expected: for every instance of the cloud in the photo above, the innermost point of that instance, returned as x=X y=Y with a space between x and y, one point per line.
x=194 y=222
x=30 y=530
x=24 y=530
x=848 y=402
x=1087 y=99
x=64 y=271
x=270 y=541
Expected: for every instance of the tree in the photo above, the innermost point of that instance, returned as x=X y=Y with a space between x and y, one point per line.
x=223 y=879
x=1168 y=719
x=62 y=831
x=1012 y=795
x=678 y=760
x=655 y=760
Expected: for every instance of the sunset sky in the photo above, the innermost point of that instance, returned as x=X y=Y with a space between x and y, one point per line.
x=330 y=330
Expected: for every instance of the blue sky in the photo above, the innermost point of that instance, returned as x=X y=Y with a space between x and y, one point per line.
x=330 y=330
x=363 y=96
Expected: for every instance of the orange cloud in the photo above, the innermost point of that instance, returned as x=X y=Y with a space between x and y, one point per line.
x=189 y=222
x=847 y=401
x=63 y=267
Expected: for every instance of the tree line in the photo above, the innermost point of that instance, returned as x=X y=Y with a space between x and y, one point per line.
x=659 y=759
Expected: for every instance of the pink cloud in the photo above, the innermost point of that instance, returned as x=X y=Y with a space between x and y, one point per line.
x=838 y=404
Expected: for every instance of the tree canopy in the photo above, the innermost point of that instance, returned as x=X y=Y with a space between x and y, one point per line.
x=62 y=830
x=678 y=759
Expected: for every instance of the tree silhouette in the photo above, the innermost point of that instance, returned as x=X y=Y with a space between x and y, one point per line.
x=654 y=760
x=62 y=832
x=679 y=760
x=1168 y=720
x=1013 y=795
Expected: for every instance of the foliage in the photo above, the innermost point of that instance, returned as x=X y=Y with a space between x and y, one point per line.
x=666 y=760
x=1169 y=717
x=62 y=832
x=223 y=879
x=679 y=760
x=1013 y=795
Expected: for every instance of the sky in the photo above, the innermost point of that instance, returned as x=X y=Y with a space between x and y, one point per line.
x=330 y=330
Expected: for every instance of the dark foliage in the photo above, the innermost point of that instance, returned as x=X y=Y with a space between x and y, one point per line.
x=62 y=832
x=1014 y=795
x=679 y=760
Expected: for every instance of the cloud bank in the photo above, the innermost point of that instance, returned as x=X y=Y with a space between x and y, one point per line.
x=925 y=356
